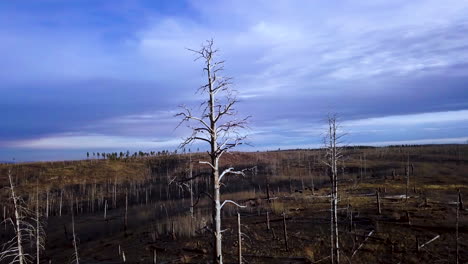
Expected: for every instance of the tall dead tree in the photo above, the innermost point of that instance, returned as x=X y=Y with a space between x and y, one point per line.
x=407 y=170
x=27 y=227
x=39 y=232
x=332 y=140
x=14 y=249
x=76 y=258
x=457 y=245
x=218 y=126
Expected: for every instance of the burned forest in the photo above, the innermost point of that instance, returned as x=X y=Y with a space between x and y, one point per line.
x=394 y=204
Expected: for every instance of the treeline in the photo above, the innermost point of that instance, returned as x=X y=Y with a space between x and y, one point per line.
x=128 y=155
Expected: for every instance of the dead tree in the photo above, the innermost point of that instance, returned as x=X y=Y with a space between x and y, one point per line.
x=218 y=126
x=379 y=210
x=285 y=232
x=332 y=140
x=239 y=238
x=14 y=249
x=407 y=177
x=457 y=245
x=76 y=258
x=311 y=180
x=39 y=232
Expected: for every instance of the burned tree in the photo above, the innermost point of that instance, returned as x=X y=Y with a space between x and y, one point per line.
x=332 y=140
x=218 y=126
x=15 y=250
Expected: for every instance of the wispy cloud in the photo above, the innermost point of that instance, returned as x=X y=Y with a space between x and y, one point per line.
x=458 y=140
x=87 y=142
x=441 y=118
x=118 y=70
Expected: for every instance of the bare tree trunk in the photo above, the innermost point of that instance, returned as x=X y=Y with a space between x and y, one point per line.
x=126 y=211
x=268 y=220
x=47 y=203
x=191 y=187
x=285 y=232
x=105 y=209
x=460 y=201
x=378 y=202
x=4 y=216
x=311 y=180
x=61 y=202
x=407 y=177
x=38 y=245
x=365 y=166
x=333 y=155
x=239 y=238
x=361 y=168
x=210 y=132
x=268 y=189
x=215 y=170
x=332 y=233
x=335 y=191
x=457 y=246
x=335 y=219
x=19 y=228
x=217 y=217
x=75 y=247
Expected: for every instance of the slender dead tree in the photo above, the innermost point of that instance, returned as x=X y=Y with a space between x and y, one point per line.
x=218 y=126
x=75 y=257
x=239 y=239
x=457 y=245
x=333 y=154
x=407 y=177
x=14 y=249
x=39 y=232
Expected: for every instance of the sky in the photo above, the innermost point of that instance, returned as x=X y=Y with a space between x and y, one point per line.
x=102 y=76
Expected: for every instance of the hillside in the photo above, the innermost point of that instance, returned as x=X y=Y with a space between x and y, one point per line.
x=158 y=219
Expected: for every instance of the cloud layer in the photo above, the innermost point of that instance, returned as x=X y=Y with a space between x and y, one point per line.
x=111 y=75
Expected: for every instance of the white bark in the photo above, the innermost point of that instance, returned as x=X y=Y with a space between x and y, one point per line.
x=362 y=244
x=239 y=238
x=75 y=246
x=333 y=154
x=18 y=226
x=214 y=127
x=428 y=242
x=25 y=230
x=457 y=246
x=38 y=235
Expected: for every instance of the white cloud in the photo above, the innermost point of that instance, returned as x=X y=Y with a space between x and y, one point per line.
x=280 y=49
x=411 y=119
x=457 y=140
x=71 y=141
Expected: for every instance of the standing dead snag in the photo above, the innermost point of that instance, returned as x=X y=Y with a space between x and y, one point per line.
x=407 y=177
x=239 y=238
x=39 y=232
x=217 y=126
x=285 y=232
x=76 y=259
x=14 y=250
x=457 y=245
x=379 y=210
x=333 y=154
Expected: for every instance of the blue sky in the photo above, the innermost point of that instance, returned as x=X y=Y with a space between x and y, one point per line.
x=81 y=76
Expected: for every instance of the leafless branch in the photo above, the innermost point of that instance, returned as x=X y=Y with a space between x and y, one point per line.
x=232 y=202
x=362 y=244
